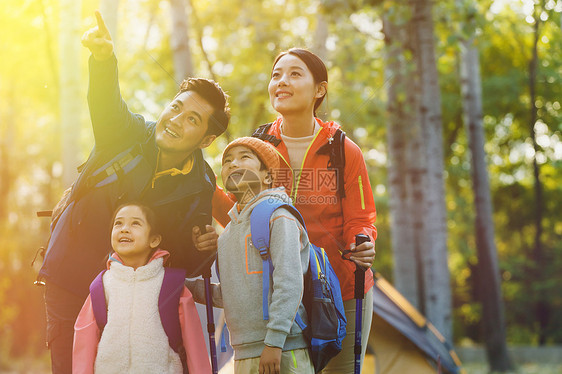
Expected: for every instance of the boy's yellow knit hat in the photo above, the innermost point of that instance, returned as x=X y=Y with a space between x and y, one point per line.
x=265 y=151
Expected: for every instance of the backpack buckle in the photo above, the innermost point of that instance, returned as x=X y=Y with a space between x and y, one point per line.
x=262 y=247
x=263 y=253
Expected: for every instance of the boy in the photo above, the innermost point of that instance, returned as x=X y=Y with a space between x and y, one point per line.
x=276 y=345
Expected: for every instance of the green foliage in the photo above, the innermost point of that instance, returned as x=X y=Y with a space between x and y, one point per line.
x=240 y=40
x=504 y=40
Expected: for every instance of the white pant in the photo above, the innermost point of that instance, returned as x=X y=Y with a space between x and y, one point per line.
x=292 y=362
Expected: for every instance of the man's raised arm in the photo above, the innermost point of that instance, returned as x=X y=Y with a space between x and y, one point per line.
x=111 y=118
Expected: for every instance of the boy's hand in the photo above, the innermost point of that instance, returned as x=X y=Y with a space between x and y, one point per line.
x=270 y=360
x=363 y=255
x=207 y=241
x=98 y=40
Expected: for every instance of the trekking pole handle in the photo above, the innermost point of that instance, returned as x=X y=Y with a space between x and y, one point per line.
x=359 y=270
x=202 y=222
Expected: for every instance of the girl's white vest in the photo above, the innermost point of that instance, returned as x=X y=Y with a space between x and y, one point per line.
x=134 y=340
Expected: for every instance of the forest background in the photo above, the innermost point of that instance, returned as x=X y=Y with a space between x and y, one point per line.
x=45 y=133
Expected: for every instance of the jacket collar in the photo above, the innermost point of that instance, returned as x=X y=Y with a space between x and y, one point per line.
x=325 y=135
x=159 y=253
x=327 y=131
x=199 y=179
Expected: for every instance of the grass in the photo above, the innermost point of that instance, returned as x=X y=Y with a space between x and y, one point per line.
x=529 y=368
x=482 y=368
x=41 y=366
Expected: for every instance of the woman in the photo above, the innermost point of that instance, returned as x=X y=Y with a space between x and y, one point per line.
x=333 y=213
x=333 y=196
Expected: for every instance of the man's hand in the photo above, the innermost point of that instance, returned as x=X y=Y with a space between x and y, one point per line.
x=363 y=255
x=270 y=360
x=207 y=241
x=98 y=40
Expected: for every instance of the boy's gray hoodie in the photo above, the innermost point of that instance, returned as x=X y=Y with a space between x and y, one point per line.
x=240 y=266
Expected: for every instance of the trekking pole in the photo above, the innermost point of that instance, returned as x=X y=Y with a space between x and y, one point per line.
x=359 y=296
x=210 y=320
x=209 y=304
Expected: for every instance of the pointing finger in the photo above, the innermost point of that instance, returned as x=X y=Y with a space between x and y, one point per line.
x=101 y=23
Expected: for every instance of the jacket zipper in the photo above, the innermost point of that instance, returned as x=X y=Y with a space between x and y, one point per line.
x=361 y=193
x=295 y=185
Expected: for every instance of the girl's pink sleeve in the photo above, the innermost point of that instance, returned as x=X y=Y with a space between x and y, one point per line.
x=192 y=335
x=86 y=338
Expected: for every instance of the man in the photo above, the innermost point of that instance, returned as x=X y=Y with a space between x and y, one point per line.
x=158 y=163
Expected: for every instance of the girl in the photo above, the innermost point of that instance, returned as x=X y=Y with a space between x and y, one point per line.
x=333 y=213
x=133 y=339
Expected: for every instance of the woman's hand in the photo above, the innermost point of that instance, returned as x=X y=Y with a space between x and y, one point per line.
x=270 y=360
x=207 y=241
x=363 y=255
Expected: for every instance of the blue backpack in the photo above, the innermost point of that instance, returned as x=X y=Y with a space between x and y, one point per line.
x=322 y=295
x=168 y=304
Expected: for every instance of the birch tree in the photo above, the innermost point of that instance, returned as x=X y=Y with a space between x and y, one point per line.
x=541 y=307
x=434 y=256
x=179 y=40
x=488 y=277
x=321 y=35
x=6 y=151
x=109 y=11
x=417 y=196
x=404 y=141
x=70 y=88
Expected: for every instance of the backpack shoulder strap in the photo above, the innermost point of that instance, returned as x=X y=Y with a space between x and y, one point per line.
x=259 y=231
x=262 y=133
x=339 y=160
x=115 y=168
x=168 y=305
x=261 y=214
x=335 y=149
x=97 y=296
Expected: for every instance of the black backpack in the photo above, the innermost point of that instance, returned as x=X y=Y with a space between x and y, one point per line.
x=335 y=148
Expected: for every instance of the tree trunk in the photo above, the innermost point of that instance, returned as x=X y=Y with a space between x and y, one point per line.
x=402 y=131
x=199 y=30
x=179 y=40
x=542 y=309
x=7 y=139
x=109 y=11
x=320 y=35
x=70 y=88
x=319 y=48
x=437 y=289
x=488 y=280
x=489 y=283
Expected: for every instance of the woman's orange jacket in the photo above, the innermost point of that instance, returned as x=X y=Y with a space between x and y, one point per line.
x=332 y=222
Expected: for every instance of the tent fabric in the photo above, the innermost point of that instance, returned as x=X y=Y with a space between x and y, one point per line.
x=394 y=353
x=396 y=311
x=401 y=339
